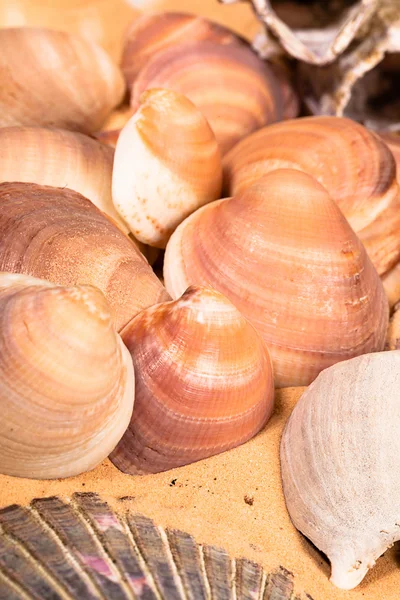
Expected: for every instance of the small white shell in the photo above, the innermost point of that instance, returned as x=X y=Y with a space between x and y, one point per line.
x=340 y=460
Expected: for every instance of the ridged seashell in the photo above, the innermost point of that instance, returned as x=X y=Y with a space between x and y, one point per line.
x=91 y=552
x=167 y=164
x=66 y=379
x=286 y=257
x=316 y=32
x=62 y=159
x=58 y=80
x=363 y=82
x=392 y=140
x=99 y=21
x=235 y=90
x=352 y=163
x=340 y=460
x=152 y=33
x=204 y=383
x=58 y=235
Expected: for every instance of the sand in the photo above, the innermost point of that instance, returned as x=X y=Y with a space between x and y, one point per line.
x=233 y=500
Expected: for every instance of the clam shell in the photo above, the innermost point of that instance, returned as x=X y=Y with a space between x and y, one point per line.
x=60 y=159
x=62 y=410
x=58 y=235
x=179 y=169
x=150 y=34
x=233 y=88
x=353 y=164
x=82 y=549
x=204 y=383
x=340 y=460
x=317 y=33
x=286 y=257
x=58 y=80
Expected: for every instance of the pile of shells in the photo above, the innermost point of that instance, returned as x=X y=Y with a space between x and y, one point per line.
x=276 y=250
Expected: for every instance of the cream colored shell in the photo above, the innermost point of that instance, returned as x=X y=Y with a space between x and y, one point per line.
x=340 y=460
x=66 y=379
x=167 y=164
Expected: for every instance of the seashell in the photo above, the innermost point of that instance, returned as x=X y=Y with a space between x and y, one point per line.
x=63 y=81
x=316 y=32
x=89 y=551
x=58 y=235
x=354 y=166
x=60 y=159
x=204 y=383
x=311 y=291
x=179 y=170
x=62 y=411
x=340 y=460
x=393 y=334
x=392 y=140
x=150 y=34
x=98 y=21
x=391 y=285
x=111 y=129
x=233 y=88
x=362 y=82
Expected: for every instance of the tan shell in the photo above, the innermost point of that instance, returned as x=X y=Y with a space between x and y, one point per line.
x=314 y=34
x=66 y=379
x=286 y=257
x=391 y=284
x=152 y=33
x=58 y=235
x=393 y=333
x=340 y=461
x=362 y=83
x=167 y=164
x=58 y=80
x=100 y=21
x=233 y=88
x=60 y=159
x=352 y=163
x=204 y=383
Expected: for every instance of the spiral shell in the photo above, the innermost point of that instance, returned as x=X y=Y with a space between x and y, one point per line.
x=167 y=164
x=286 y=257
x=204 y=383
x=340 y=460
x=233 y=88
x=60 y=159
x=153 y=33
x=58 y=235
x=58 y=80
x=354 y=166
x=66 y=379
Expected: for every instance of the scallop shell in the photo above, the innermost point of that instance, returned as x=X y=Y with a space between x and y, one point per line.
x=283 y=253
x=58 y=235
x=62 y=410
x=340 y=460
x=58 y=80
x=179 y=169
x=60 y=159
x=234 y=89
x=352 y=163
x=316 y=32
x=362 y=83
x=204 y=383
x=153 y=33
x=82 y=549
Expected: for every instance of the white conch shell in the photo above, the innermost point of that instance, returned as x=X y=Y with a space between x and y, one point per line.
x=66 y=379
x=340 y=460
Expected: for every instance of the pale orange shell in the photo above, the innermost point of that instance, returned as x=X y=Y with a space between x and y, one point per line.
x=352 y=163
x=152 y=33
x=392 y=140
x=66 y=379
x=283 y=253
x=167 y=164
x=58 y=235
x=61 y=159
x=235 y=90
x=204 y=383
x=58 y=80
